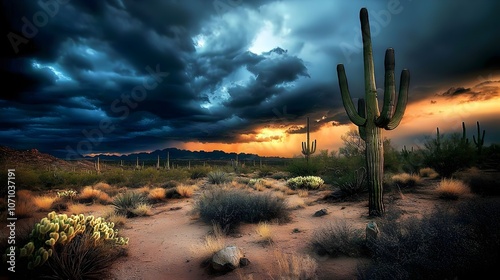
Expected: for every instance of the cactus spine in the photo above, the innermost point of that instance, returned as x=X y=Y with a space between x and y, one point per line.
x=480 y=139
x=308 y=148
x=368 y=118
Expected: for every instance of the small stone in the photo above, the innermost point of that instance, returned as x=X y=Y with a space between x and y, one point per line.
x=321 y=212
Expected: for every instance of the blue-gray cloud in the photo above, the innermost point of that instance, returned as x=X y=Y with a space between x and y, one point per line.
x=133 y=76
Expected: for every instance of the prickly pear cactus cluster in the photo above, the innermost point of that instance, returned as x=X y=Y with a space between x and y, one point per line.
x=60 y=229
x=67 y=193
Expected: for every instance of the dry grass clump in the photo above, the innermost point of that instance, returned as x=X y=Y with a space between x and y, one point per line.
x=279 y=195
x=157 y=194
x=118 y=219
x=143 y=190
x=289 y=191
x=107 y=188
x=44 y=202
x=264 y=231
x=186 y=190
x=303 y=193
x=259 y=186
x=294 y=266
x=428 y=172
x=295 y=202
x=452 y=189
x=142 y=209
x=25 y=208
x=24 y=204
x=234 y=184
x=24 y=194
x=77 y=208
x=212 y=243
x=406 y=180
x=91 y=195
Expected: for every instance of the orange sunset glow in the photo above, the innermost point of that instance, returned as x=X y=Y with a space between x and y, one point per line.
x=421 y=118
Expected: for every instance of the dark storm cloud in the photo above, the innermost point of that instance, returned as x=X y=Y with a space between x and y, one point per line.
x=482 y=91
x=124 y=76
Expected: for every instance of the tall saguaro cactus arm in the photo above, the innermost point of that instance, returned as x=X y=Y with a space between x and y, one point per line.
x=480 y=140
x=346 y=98
x=368 y=118
x=404 y=85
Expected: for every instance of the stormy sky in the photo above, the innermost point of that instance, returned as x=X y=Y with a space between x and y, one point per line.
x=122 y=76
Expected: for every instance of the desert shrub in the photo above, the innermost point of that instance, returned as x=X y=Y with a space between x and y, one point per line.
x=278 y=175
x=125 y=203
x=218 y=177
x=199 y=172
x=300 y=167
x=351 y=184
x=451 y=189
x=116 y=178
x=480 y=182
x=229 y=207
x=460 y=241
x=83 y=258
x=170 y=184
x=338 y=239
x=63 y=247
x=448 y=155
x=305 y=182
x=265 y=171
x=411 y=160
x=173 y=174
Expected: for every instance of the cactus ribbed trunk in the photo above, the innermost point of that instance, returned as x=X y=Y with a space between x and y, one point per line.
x=375 y=170
x=368 y=118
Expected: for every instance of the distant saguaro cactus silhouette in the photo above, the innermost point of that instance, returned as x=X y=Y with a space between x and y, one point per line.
x=308 y=148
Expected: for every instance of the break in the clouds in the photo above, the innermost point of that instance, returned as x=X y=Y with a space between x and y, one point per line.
x=120 y=75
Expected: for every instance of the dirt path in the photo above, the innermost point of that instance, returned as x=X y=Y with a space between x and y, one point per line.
x=161 y=245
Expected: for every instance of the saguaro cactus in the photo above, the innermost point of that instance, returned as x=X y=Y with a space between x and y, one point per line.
x=168 y=160
x=480 y=140
x=368 y=118
x=308 y=148
x=98 y=166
